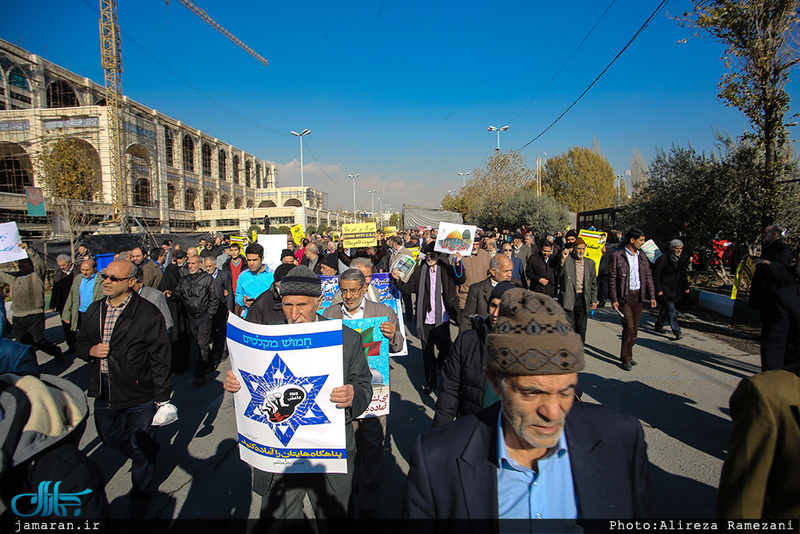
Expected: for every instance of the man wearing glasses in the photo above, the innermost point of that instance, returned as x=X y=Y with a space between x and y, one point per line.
x=518 y=272
x=124 y=339
x=434 y=282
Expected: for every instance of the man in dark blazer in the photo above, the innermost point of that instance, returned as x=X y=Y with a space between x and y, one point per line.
x=219 y=330
x=595 y=457
x=578 y=284
x=434 y=312
x=780 y=329
x=672 y=284
x=628 y=290
x=500 y=268
x=541 y=270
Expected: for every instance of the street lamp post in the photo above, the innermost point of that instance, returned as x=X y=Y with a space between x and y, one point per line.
x=372 y=201
x=464 y=175
x=354 y=176
x=302 y=185
x=498 y=130
x=618 y=183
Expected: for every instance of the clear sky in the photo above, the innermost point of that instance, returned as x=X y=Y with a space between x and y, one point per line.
x=402 y=93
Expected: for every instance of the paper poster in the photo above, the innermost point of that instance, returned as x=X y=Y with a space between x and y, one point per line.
x=387 y=293
x=285 y=420
x=35 y=200
x=594 y=246
x=651 y=250
x=452 y=238
x=376 y=350
x=744 y=276
x=242 y=241
x=297 y=234
x=273 y=246
x=389 y=231
x=359 y=235
x=405 y=265
x=9 y=243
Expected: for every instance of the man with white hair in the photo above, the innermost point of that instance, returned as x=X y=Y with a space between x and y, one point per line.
x=62 y=283
x=672 y=283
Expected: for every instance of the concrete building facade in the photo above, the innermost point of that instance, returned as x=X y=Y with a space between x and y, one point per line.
x=176 y=177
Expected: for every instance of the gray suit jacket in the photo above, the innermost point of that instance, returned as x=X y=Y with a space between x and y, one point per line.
x=477 y=303
x=160 y=301
x=569 y=281
x=372 y=309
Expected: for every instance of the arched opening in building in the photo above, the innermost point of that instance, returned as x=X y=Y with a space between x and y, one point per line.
x=247 y=168
x=188 y=153
x=171 y=192
x=250 y=203
x=61 y=95
x=189 y=199
x=208 y=200
x=80 y=181
x=292 y=203
x=137 y=164
x=224 y=200
x=20 y=96
x=223 y=166
x=168 y=147
x=237 y=203
x=267 y=204
x=236 y=169
x=100 y=102
x=258 y=175
x=206 y=153
x=16 y=170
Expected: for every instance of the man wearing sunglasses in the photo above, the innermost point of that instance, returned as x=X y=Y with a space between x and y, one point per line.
x=124 y=339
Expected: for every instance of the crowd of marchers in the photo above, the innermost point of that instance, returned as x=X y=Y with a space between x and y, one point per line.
x=510 y=437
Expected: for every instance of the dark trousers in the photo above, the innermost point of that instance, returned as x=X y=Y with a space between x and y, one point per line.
x=578 y=316
x=632 y=314
x=30 y=331
x=436 y=337
x=69 y=335
x=602 y=287
x=284 y=500
x=200 y=329
x=669 y=315
x=130 y=432
x=219 y=333
x=370 y=437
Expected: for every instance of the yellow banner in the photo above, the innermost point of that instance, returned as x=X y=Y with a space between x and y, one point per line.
x=359 y=235
x=298 y=234
x=594 y=246
x=389 y=231
x=744 y=276
x=414 y=252
x=239 y=239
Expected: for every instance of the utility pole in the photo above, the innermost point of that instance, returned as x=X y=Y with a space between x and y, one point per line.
x=354 y=176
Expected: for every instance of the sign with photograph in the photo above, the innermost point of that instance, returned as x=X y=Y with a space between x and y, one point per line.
x=376 y=350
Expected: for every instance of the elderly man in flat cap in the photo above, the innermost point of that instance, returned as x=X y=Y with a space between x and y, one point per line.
x=533 y=454
x=329 y=493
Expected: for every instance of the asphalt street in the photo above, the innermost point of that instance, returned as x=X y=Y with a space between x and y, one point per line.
x=679 y=391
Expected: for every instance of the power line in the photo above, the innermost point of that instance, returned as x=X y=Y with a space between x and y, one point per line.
x=564 y=65
x=320 y=166
x=638 y=32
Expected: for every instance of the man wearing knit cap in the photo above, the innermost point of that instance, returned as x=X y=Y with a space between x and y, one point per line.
x=329 y=493
x=533 y=454
x=578 y=276
x=672 y=283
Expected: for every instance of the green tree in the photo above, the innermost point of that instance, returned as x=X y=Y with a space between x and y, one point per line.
x=581 y=178
x=70 y=180
x=284 y=230
x=762 y=48
x=394 y=219
x=525 y=208
x=311 y=229
x=622 y=193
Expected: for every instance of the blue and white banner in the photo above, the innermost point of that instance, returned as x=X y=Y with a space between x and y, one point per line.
x=285 y=419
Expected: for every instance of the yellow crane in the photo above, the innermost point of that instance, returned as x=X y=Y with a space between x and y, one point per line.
x=111 y=56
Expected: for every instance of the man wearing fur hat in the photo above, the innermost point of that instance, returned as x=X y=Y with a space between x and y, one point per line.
x=533 y=454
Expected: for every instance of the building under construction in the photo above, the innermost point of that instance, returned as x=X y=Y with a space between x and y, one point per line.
x=176 y=178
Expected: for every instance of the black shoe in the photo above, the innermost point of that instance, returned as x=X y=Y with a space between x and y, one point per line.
x=426 y=390
x=659 y=329
x=627 y=366
x=678 y=336
x=59 y=356
x=634 y=362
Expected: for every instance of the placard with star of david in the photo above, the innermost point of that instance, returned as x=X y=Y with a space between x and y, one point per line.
x=285 y=419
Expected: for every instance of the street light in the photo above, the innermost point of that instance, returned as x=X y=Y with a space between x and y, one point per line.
x=464 y=175
x=372 y=196
x=302 y=186
x=618 y=184
x=354 y=176
x=498 y=130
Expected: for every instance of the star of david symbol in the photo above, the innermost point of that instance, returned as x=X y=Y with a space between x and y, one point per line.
x=284 y=401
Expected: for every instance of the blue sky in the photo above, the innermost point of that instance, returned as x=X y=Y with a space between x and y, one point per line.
x=401 y=93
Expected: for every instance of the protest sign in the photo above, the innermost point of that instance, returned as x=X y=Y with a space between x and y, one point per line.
x=273 y=246
x=376 y=350
x=35 y=200
x=405 y=265
x=651 y=250
x=359 y=235
x=744 y=276
x=594 y=246
x=389 y=231
x=242 y=241
x=285 y=419
x=9 y=243
x=452 y=238
x=297 y=234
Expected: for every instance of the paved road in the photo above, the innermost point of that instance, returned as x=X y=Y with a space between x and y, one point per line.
x=679 y=391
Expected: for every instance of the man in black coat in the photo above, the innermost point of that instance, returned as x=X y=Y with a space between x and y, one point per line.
x=771 y=267
x=541 y=270
x=219 y=328
x=672 y=283
x=62 y=283
x=500 y=269
x=780 y=329
x=463 y=381
x=124 y=339
x=434 y=312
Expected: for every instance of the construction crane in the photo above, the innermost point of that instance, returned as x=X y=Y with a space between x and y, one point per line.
x=111 y=56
